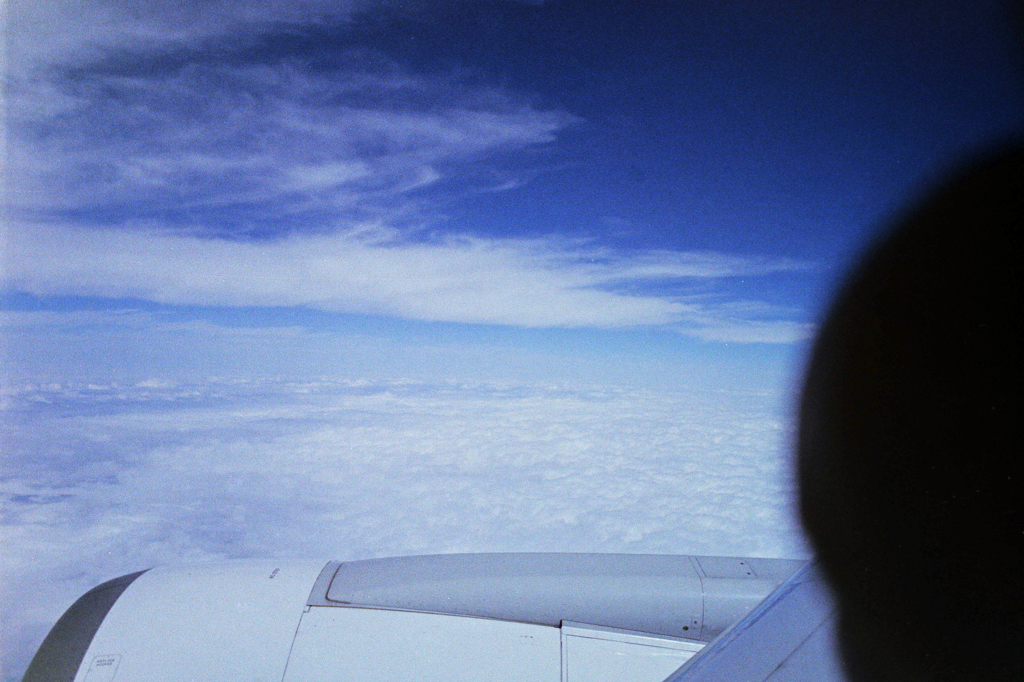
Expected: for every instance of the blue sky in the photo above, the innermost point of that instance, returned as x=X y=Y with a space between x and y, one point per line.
x=358 y=279
x=703 y=170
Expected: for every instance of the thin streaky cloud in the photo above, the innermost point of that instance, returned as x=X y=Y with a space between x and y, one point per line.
x=711 y=326
x=225 y=146
x=518 y=282
x=656 y=264
x=38 y=31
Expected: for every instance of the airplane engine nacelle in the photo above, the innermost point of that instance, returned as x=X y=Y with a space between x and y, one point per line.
x=448 y=617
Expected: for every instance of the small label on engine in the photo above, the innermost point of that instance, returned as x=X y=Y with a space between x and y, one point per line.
x=103 y=668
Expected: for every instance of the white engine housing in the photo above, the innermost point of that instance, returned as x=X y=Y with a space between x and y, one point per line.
x=448 y=617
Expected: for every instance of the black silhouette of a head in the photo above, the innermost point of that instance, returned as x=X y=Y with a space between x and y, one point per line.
x=911 y=434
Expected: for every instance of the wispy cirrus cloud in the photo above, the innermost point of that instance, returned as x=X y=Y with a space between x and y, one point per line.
x=518 y=282
x=237 y=148
x=244 y=118
x=64 y=31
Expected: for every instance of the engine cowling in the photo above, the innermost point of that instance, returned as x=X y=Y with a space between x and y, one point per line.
x=445 y=617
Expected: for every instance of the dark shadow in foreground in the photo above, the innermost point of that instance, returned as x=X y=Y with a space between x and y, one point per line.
x=910 y=439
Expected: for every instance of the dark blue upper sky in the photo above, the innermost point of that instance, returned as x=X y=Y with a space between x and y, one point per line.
x=763 y=127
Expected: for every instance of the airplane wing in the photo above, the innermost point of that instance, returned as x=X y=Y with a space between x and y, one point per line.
x=788 y=637
x=558 y=617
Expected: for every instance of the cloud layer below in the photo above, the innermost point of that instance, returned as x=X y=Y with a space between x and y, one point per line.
x=101 y=480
